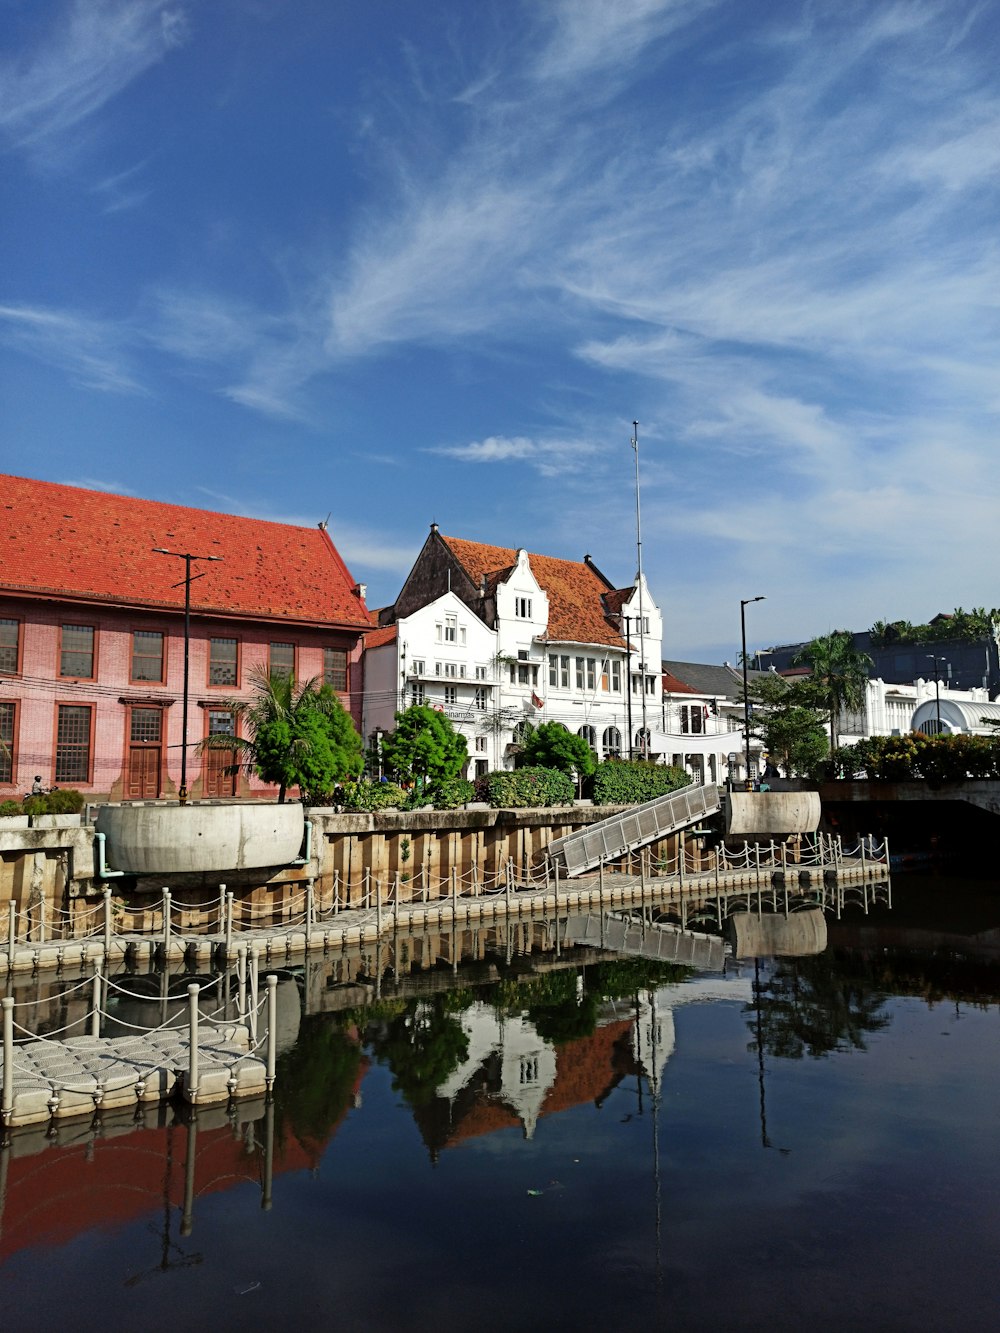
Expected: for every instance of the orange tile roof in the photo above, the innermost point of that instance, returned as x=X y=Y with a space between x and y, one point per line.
x=576 y=610
x=378 y=637
x=67 y=542
x=674 y=686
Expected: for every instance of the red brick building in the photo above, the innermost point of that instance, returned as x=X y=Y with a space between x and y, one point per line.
x=92 y=635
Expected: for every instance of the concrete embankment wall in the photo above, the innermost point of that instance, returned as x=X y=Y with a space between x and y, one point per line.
x=53 y=861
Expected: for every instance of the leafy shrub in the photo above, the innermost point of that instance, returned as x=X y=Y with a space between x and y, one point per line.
x=64 y=801
x=630 y=782
x=11 y=808
x=940 y=758
x=451 y=794
x=363 y=796
x=525 y=787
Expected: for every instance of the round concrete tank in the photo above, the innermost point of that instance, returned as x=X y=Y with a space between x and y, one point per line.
x=180 y=839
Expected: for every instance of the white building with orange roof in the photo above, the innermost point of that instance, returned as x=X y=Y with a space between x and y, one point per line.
x=496 y=637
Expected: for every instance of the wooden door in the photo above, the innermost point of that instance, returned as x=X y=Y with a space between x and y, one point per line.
x=219 y=782
x=145 y=755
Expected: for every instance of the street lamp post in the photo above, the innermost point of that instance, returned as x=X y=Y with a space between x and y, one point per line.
x=937 y=687
x=187 y=557
x=744 y=603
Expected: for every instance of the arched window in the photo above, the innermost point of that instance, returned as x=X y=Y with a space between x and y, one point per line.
x=589 y=735
x=642 y=743
x=612 y=743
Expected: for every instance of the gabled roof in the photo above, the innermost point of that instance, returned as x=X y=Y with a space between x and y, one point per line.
x=615 y=600
x=672 y=685
x=703 y=678
x=575 y=591
x=64 y=542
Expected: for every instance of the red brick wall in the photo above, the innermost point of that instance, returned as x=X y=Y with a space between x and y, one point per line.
x=37 y=689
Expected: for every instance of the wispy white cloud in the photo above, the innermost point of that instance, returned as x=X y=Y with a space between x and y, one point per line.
x=92 y=352
x=98 y=484
x=94 y=50
x=550 y=457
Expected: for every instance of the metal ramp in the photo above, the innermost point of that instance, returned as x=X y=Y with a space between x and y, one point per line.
x=666 y=944
x=633 y=828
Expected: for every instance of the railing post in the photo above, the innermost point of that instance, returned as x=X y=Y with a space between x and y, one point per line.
x=229 y=925
x=368 y=889
x=95 y=1016
x=454 y=898
x=241 y=981
x=378 y=906
x=11 y=932
x=336 y=892
x=222 y=908
x=192 y=1079
x=272 y=1028
x=510 y=883
x=254 y=981
x=41 y=917
x=309 y=912
x=107 y=922
x=7 y=1101
x=166 y=924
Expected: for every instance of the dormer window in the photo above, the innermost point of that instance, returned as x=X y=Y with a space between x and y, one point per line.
x=522 y=608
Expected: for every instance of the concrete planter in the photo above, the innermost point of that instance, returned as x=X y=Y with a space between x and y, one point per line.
x=11 y=822
x=56 y=821
x=182 y=839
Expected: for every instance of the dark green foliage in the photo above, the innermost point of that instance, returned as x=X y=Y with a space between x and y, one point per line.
x=63 y=801
x=315 y=1081
x=422 y=1046
x=525 y=788
x=934 y=758
x=839 y=674
x=453 y=793
x=789 y=723
x=424 y=748
x=969 y=626
x=11 y=808
x=630 y=782
x=357 y=796
x=296 y=736
x=811 y=1006
x=551 y=745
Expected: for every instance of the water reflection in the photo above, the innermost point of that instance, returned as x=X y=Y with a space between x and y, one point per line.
x=600 y=1128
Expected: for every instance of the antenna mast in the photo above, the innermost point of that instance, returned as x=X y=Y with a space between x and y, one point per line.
x=639 y=581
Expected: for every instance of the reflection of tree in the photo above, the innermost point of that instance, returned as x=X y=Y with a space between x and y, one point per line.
x=315 y=1080
x=811 y=1006
x=422 y=1046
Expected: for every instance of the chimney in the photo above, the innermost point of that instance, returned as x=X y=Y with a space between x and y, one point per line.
x=361 y=590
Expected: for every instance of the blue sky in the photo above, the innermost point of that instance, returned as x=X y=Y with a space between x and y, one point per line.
x=406 y=263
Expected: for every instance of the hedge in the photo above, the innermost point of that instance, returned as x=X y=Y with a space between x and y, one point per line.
x=364 y=796
x=630 y=782
x=934 y=758
x=525 y=787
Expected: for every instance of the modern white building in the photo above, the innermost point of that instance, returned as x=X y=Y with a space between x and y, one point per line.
x=496 y=637
x=893 y=710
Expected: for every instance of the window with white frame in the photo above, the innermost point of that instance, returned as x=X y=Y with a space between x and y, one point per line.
x=482 y=698
x=522 y=608
x=481 y=744
x=451 y=694
x=417 y=694
x=523 y=672
x=616 y=677
x=451 y=669
x=589 y=735
x=451 y=629
x=591 y=673
x=419 y=667
x=611 y=742
x=481 y=673
x=693 y=719
x=578 y=662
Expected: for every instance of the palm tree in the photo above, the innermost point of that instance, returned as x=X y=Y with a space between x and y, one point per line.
x=840 y=674
x=296 y=734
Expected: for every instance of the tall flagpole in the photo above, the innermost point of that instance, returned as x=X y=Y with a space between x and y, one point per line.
x=642 y=619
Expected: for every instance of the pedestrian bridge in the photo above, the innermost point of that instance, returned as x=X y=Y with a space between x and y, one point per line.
x=633 y=828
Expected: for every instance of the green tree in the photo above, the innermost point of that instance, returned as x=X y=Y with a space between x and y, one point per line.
x=789 y=724
x=551 y=745
x=294 y=735
x=839 y=673
x=425 y=747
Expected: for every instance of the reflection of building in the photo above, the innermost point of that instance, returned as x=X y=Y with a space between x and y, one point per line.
x=92 y=634
x=495 y=637
x=512 y=1077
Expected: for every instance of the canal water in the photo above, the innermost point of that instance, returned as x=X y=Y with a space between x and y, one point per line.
x=538 y=1140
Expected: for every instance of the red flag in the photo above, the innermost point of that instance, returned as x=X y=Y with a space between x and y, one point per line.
x=539 y=703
